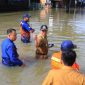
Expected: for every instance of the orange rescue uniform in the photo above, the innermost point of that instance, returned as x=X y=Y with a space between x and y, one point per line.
x=64 y=76
x=24 y=33
x=57 y=64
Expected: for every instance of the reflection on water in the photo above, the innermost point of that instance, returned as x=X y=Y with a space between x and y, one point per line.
x=61 y=25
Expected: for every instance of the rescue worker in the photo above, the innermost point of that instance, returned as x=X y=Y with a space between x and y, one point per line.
x=10 y=56
x=25 y=29
x=41 y=43
x=66 y=75
x=66 y=45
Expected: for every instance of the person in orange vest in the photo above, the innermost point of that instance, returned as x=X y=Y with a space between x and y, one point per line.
x=25 y=29
x=56 y=63
x=66 y=75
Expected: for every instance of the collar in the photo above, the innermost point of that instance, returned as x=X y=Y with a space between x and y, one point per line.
x=9 y=39
x=67 y=67
x=42 y=36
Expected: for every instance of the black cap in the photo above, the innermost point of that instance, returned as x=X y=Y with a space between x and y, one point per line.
x=26 y=15
x=44 y=28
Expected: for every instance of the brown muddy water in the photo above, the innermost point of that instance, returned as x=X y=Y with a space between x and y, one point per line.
x=62 y=26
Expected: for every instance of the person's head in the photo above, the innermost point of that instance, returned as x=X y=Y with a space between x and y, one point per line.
x=12 y=34
x=26 y=17
x=67 y=45
x=44 y=30
x=68 y=57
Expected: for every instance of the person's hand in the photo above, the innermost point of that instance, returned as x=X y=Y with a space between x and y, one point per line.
x=35 y=36
x=50 y=45
x=23 y=65
x=32 y=30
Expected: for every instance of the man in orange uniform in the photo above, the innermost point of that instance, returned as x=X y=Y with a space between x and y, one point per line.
x=56 y=63
x=66 y=75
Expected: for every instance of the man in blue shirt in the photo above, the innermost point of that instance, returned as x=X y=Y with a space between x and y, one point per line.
x=25 y=29
x=10 y=56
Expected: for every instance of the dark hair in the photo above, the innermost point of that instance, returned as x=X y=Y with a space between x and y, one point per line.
x=68 y=57
x=10 y=30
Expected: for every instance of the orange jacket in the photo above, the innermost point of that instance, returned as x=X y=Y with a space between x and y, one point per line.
x=56 y=61
x=64 y=76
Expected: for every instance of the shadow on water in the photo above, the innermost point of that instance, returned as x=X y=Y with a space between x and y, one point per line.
x=61 y=25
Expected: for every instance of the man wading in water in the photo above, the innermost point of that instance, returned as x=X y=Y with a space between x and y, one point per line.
x=41 y=43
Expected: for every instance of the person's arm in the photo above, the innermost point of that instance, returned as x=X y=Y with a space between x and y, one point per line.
x=12 y=54
x=27 y=27
x=48 y=79
x=83 y=80
x=37 y=41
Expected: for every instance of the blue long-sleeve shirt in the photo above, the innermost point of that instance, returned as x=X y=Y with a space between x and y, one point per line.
x=25 y=26
x=9 y=53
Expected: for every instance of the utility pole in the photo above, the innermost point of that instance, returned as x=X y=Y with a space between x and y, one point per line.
x=29 y=3
x=6 y=4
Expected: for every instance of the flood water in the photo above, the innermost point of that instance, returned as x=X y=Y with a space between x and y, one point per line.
x=62 y=26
